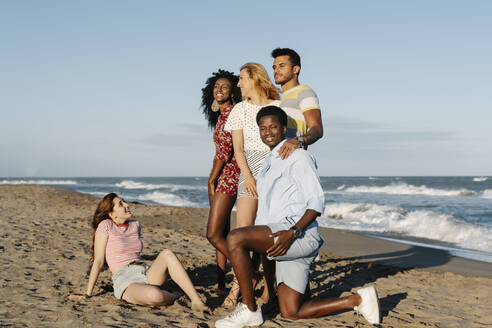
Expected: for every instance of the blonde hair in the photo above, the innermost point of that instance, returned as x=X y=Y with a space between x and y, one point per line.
x=262 y=83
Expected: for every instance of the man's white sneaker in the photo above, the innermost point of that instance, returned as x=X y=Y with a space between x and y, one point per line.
x=241 y=317
x=369 y=307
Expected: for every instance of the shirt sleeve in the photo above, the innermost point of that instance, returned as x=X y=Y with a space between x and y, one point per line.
x=235 y=121
x=103 y=227
x=305 y=175
x=308 y=100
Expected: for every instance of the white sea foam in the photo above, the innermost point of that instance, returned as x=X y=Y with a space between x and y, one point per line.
x=480 y=179
x=487 y=193
x=341 y=187
x=167 y=199
x=129 y=184
x=406 y=189
x=40 y=182
x=424 y=224
x=98 y=193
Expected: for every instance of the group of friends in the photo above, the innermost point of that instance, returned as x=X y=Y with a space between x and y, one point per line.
x=262 y=165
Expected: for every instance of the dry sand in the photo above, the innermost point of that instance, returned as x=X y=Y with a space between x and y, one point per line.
x=45 y=254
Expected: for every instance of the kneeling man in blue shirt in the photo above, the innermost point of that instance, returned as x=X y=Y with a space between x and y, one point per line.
x=290 y=198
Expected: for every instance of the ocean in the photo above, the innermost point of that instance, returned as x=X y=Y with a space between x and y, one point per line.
x=449 y=213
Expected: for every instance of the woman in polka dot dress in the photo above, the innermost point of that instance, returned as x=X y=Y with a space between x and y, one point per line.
x=257 y=91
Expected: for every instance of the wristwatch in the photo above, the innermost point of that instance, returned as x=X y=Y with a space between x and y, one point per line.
x=301 y=140
x=297 y=231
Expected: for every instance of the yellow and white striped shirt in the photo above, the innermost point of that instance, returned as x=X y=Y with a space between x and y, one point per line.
x=295 y=102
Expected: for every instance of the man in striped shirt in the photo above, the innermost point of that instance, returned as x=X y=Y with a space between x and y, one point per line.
x=299 y=101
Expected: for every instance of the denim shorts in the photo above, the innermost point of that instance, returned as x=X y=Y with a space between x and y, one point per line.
x=129 y=274
x=292 y=268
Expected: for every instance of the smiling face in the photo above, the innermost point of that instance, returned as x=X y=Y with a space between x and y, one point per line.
x=121 y=211
x=271 y=131
x=246 y=84
x=222 y=90
x=283 y=71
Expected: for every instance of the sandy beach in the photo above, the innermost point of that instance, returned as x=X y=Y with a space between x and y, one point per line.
x=45 y=251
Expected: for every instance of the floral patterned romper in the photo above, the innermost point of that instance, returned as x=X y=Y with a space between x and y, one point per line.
x=229 y=176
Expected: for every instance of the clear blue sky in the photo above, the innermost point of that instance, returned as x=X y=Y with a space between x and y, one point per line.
x=112 y=88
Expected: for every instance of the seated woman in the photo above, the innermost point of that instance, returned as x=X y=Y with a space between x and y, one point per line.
x=116 y=240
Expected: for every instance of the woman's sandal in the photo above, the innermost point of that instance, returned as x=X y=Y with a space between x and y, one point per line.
x=231 y=299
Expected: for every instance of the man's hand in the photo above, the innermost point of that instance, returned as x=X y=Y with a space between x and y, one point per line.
x=288 y=147
x=284 y=240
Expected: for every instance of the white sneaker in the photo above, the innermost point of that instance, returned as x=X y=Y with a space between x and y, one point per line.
x=241 y=317
x=369 y=307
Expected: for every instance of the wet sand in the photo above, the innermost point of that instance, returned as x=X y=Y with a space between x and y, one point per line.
x=45 y=251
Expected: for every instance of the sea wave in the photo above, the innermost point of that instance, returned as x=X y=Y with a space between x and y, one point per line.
x=420 y=223
x=39 y=182
x=407 y=189
x=129 y=184
x=96 y=193
x=487 y=193
x=341 y=187
x=480 y=179
x=168 y=199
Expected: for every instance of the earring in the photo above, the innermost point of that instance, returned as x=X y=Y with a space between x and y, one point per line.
x=215 y=106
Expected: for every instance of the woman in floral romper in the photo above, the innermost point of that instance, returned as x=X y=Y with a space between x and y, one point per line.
x=218 y=97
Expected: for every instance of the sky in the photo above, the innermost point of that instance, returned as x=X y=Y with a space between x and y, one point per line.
x=113 y=88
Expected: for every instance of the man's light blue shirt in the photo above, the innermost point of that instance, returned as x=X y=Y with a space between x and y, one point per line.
x=288 y=187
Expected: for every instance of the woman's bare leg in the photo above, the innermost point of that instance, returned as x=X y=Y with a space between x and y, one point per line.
x=217 y=228
x=142 y=294
x=269 y=278
x=167 y=262
x=221 y=262
x=240 y=242
x=246 y=211
x=246 y=214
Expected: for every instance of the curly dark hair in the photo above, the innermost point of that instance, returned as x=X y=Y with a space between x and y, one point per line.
x=208 y=94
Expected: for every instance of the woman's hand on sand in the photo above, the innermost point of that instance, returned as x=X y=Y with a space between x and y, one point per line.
x=200 y=307
x=250 y=186
x=78 y=297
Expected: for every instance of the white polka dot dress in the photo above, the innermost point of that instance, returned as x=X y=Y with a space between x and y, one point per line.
x=243 y=117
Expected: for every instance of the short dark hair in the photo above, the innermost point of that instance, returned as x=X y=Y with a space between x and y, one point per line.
x=272 y=110
x=294 y=57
